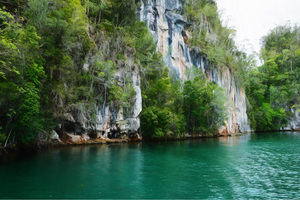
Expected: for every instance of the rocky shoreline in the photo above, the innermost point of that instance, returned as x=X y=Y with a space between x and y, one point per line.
x=76 y=140
x=54 y=141
x=67 y=143
x=82 y=140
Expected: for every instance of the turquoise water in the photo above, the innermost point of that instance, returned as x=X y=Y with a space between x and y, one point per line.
x=250 y=166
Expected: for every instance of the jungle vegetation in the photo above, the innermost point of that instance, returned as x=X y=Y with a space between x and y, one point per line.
x=273 y=89
x=45 y=45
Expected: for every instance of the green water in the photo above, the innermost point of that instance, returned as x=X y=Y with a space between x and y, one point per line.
x=251 y=166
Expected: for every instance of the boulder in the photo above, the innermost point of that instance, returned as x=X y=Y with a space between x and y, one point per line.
x=54 y=137
x=86 y=137
x=74 y=138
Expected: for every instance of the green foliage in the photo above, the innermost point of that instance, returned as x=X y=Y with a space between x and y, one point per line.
x=155 y=121
x=15 y=7
x=111 y=13
x=215 y=40
x=162 y=114
x=168 y=110
x=204 y=106
x=57 y=55
x=273 y=89
x=21 y=76
x=29 y=114
x=44 y=44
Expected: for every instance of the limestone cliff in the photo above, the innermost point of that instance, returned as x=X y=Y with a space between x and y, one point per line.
x=105 y=119
x=169 y=28
x=294 y=124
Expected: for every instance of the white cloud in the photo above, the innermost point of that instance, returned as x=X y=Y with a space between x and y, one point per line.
x=253 y=19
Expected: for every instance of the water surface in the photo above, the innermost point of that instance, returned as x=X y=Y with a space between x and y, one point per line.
x=250 y=166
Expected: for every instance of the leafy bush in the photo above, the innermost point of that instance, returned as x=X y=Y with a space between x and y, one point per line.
x=273 y=89
x=45 y=44
x=204 y=106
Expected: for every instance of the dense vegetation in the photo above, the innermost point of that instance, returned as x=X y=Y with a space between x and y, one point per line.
x=173 y=109
x=58 y=56
x=45 y=45
x=204 y=105
x=273 y=89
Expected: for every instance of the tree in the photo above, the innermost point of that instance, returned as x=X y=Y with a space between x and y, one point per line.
x=274 y=88
x=204 y=106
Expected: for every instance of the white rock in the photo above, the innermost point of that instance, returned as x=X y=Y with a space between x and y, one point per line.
x=54 y=137
x=74 y=138
x=85 y=137
x=86 y=67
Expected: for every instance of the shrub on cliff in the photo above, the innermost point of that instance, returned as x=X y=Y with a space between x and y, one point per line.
x=204 y=106
x=214 y=39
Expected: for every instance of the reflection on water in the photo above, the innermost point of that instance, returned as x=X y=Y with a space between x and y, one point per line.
x=235 y=140
x=247 y=166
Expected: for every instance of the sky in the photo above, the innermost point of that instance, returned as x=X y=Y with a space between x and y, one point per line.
x=253 y=19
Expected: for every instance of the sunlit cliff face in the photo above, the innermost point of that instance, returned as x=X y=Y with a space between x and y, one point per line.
x=168 y=27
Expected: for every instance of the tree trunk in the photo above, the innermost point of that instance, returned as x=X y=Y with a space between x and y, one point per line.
x=99 y=16
x=7 y=138
x=104 y=98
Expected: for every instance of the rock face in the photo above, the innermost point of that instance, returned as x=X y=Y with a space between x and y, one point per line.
x=169 y=28
x=110 y=121
x=54 y=137
x=116 y=122
x=294 y=124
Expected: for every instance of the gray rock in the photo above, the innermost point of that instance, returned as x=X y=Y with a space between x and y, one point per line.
x=54 y=137
x=294 y=124
x=69 y=117
x=86 y=137
x=42 y=138
x=86 y=67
